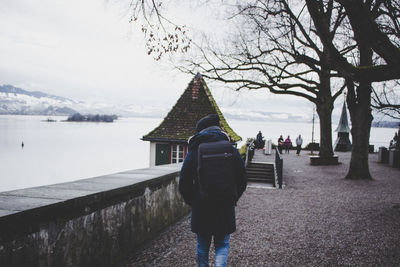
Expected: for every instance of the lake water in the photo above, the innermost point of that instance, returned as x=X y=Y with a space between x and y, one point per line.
x=57 y=152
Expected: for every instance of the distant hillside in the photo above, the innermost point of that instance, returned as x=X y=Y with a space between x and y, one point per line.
x=17 y=101
x=9 y=89
x=385 y=124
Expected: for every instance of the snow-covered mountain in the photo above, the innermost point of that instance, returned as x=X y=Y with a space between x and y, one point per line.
x=259 y=115
x=15 y=100
x=18 y=101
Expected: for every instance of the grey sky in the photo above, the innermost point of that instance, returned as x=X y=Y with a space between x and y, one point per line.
x=87 y=50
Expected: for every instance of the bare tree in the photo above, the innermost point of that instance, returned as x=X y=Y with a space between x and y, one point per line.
x=162 y=35
x=362 y=68
x=377 y=27
x=386 y=96
x=386 y=99
x=292 y=49
x=376 y=24
x=277 y=49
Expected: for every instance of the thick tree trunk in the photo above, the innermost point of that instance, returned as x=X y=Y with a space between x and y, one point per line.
x=361 y=118
x=359 y=103
x=324 y=109
x=325 y=121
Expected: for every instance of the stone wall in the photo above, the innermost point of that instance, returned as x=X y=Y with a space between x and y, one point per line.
x=90 y=222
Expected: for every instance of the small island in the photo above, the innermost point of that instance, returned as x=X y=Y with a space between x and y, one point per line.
x=49 y=120
x=92 y=118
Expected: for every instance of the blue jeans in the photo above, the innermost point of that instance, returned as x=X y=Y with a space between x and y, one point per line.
x=221 y=244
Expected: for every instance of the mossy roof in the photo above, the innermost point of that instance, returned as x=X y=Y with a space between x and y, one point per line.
x=180 y=123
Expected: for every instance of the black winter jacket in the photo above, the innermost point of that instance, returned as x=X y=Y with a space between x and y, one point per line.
x=209 y=218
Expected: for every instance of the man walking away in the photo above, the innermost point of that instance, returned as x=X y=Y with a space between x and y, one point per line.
x=299 y=142
x=213 y=211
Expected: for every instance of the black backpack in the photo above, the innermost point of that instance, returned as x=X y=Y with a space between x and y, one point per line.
x=215 y=170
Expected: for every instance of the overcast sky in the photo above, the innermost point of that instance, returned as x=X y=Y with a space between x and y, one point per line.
x=87 y=50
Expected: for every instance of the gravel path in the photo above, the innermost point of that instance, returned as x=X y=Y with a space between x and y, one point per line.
x=318 y=219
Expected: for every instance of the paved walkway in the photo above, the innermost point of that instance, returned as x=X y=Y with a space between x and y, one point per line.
x=318 y=219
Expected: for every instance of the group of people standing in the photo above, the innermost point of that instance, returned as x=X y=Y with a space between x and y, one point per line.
x=287 y=144
x=282 y=144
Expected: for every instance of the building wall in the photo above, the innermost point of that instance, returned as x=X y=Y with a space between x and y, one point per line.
x=100 y=227
x=152 y=160
x=152 y=154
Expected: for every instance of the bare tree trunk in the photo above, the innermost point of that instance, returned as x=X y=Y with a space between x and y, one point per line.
x=359 y=103
x=361 y=118
x=324 y=109
x=325 y=119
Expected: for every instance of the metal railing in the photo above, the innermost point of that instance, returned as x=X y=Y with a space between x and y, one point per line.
x=279 y=167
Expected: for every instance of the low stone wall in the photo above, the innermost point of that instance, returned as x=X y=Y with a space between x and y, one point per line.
x=89 y=222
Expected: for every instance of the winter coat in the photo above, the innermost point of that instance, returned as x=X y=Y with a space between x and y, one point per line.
x=288 y=142
x=215 y=217
x=299 y=141
x=280 y=141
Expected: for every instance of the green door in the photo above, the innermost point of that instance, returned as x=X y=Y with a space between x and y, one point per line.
x=162 y=154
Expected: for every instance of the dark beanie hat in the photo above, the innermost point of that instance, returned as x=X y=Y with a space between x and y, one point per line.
x=207 y=121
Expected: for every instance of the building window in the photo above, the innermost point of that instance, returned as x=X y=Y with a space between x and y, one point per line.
x=177 y=153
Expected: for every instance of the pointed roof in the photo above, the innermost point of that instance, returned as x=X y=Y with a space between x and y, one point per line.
x=180 y=123
x=343 y=126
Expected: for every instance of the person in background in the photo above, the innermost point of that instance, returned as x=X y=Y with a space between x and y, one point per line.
x=280 y=144
x=259 y=140
x=288 y=144
x=394 y=142
x=299 y=142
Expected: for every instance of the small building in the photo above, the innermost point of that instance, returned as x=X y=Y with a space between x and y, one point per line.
x=343 y=143
x=168 y=141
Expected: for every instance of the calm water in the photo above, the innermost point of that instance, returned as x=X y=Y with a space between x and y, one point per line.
x=57 y=152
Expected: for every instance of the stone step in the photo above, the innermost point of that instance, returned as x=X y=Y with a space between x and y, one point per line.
x=270 y=181
x=260 y=174
x=260 y=169
x=270 y=176
x=252 y=179
x=260 y=164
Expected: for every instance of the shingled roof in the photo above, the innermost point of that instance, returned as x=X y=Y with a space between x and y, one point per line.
x=343 y=126
x=180 y=123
